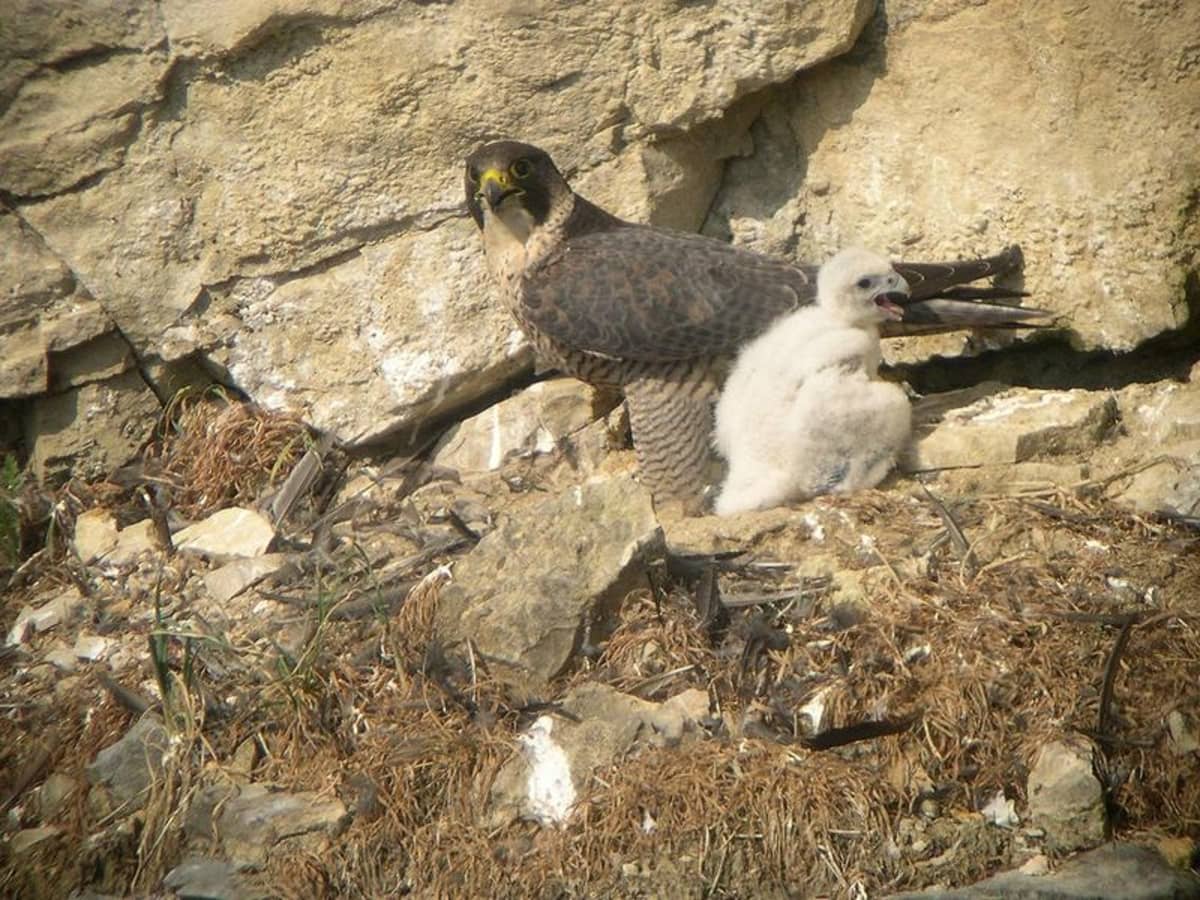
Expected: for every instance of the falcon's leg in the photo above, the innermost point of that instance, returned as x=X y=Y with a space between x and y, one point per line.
x=672 y=419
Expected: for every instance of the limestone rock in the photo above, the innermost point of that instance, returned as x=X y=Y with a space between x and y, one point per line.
x=1184 y=732
x=1162 y=413
x=1065 y=797
x=132 y=541
x=1087 y=162
x=212 y=879
x=92 y=647
x=28 y=838
x=90 y=430
x=53 y=795
x=42 y=312
x=249 y=820
x=1012 y=426
x=237 y=575
x=344 y=291
x=95 y=534
x=1162 y=427
x=533 y=421
x=126 y=769
x=1111 y=872
x=1170 y=483
x=549 y=577
x=229 y=532
x=35 y=620
x=560 y=753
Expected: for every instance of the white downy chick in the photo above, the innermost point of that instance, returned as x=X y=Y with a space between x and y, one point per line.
x=802 y=412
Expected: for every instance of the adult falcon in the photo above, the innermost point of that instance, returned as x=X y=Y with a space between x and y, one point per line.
x=656 y=313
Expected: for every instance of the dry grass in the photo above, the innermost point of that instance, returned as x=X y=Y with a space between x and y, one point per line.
x=219 y=452
x=994 y=647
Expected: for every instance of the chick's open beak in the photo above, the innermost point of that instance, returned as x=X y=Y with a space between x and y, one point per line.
x=495 y=186
x=891 y=302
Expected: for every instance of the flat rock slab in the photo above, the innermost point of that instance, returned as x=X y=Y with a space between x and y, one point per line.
x=1065 y=797
x=530 y=590
x=248 y=821
x=1010 y=426
x=1111 y=872
x=231 y=532
x=34 y=620
x=212 y=879
x=234 y=577
x=532 y=421
x=128 y=767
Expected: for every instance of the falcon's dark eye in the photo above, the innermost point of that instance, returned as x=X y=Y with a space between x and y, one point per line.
x=864 y=283
x=522 y=168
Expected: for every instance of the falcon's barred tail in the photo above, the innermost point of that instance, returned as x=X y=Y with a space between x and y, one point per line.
x=929 y=280
x=671 y=414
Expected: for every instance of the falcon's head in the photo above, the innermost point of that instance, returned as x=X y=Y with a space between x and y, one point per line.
x=861 y=286
x=517 y=183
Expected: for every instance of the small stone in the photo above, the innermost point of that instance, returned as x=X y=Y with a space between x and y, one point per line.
x=1065 y=797
x=128 y=767
x=55 y=791
x=92 y=647
x=251 y=819
x=1185 y=735
x=244 y=757
x=95 y=534
x=234 y=577
x=31 y=621
x=528 y=591
x=1035 y=865
x=132 y=541
x=231 y=532
x=533 y=421
x=212 y=879
x=29 y=838
x=62 y=657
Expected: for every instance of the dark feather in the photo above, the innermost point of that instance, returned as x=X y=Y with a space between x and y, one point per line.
x=661 y=296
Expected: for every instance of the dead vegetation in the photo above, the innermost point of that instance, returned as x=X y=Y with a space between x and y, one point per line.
x=978 y=630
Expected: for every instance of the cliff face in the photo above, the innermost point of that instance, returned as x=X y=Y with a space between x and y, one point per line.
x=267 y=193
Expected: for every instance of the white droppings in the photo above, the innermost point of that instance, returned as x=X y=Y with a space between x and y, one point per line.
x=496 y=450
x=1097 y=546
x=814 y=710
x=917 y=653
x=994 y=408
x=1001 y=811
x=648 y=822
x=550 y=792
x=816 y=531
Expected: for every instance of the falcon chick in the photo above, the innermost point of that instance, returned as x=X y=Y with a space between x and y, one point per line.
x=653 y=312
x=802 y=413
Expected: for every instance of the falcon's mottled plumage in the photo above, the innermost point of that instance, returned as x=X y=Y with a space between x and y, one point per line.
x=652 y=311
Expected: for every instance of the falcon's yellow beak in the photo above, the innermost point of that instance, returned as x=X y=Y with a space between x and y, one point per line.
x=495 y=186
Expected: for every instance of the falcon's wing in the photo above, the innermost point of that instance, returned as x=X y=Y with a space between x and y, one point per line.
x=638 y=293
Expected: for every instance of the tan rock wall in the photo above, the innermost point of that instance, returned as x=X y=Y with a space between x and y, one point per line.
x=270 y=191
x=958 y=127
